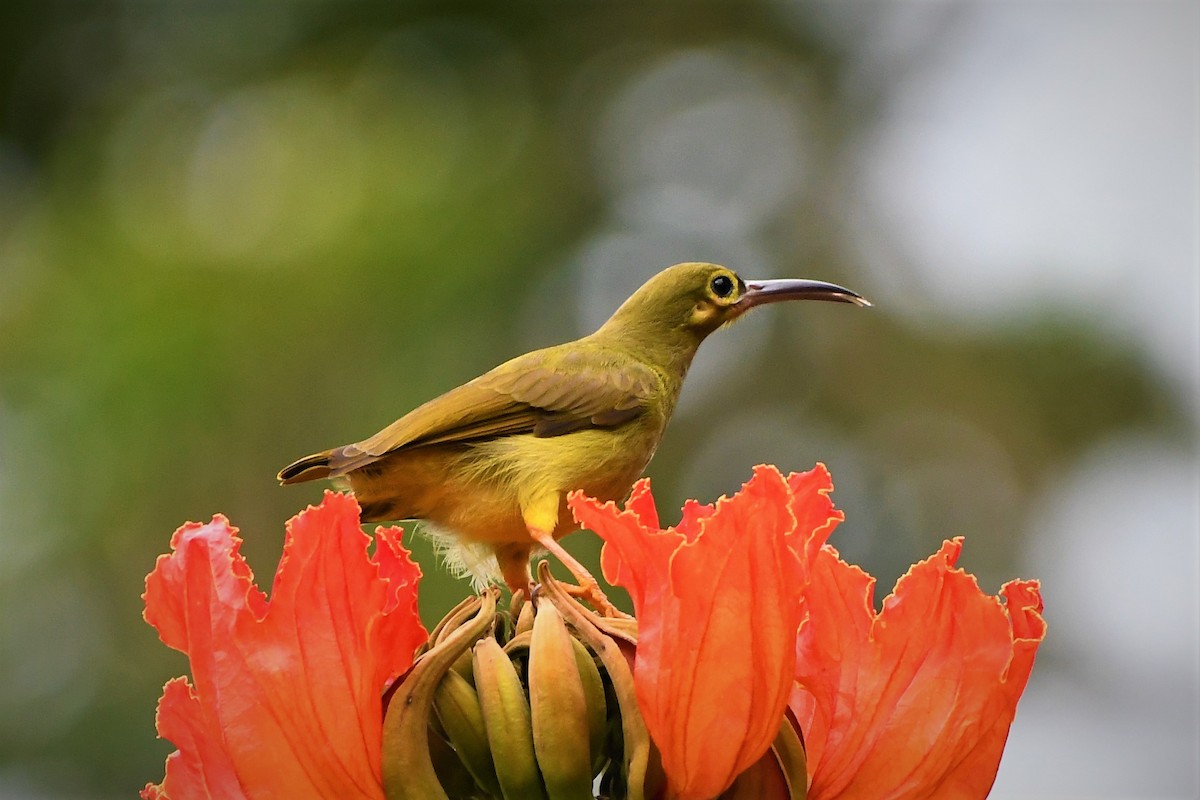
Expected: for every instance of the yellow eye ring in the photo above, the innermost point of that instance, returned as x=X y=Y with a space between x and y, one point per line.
x=722 y=286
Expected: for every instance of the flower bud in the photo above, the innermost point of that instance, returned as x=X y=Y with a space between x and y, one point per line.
x=533 y=701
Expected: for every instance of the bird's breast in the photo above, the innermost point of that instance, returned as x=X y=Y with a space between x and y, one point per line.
x=501 y=475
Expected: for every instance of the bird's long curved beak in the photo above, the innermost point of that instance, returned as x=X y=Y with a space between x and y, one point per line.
x=775 y=291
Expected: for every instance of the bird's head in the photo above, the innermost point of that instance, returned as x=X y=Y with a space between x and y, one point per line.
x=699 y=298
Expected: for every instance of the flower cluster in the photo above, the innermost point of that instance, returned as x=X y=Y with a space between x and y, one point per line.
x=758 y=665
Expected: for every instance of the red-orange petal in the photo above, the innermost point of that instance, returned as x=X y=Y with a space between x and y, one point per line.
x=815 y=515
x=286 y=693
x=718 y=602
x=200 y=768
x=917 y=700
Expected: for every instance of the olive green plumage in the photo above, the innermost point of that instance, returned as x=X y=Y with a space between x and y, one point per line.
x=489 y=464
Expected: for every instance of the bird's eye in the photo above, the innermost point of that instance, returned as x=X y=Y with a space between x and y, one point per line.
x=722 y=285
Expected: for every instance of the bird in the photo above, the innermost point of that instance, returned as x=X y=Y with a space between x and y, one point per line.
x=487 y=466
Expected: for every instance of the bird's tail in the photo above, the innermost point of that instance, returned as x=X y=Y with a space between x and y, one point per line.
x=309 y=468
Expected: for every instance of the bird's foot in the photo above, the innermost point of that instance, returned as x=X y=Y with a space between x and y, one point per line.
x=596 y=598
x=588 y=589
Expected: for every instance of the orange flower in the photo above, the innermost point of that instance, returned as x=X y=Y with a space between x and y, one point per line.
x=915 y=701
x=286 y=698
x=743 y=613
x=718 y=600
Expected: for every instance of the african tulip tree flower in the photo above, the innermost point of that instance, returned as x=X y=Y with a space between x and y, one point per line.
x=718 y=599
x=916 y=700
x=286 y=693
x=913 y=702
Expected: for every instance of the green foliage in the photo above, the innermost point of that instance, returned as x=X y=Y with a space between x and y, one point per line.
x=231 y=238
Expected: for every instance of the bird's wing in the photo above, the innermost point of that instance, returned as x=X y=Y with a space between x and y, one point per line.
x=547 y=393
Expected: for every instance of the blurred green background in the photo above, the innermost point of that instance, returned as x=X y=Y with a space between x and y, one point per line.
x=233 y=234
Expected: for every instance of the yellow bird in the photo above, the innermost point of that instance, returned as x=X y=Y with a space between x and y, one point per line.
x=488 y=466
